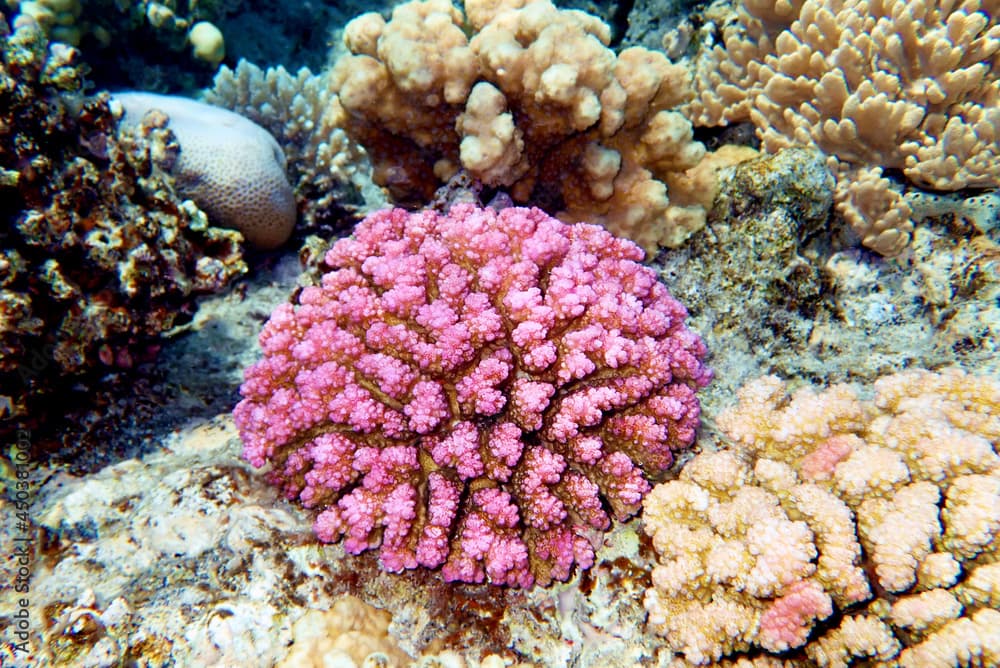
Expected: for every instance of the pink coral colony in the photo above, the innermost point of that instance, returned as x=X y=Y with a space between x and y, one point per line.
x=479 y=391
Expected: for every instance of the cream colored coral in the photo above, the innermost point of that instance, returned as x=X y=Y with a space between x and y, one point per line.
x=704 y=631
x=402 y=86
x=831 y=522
x=938 y=569
x=968 y=641
x=492 y=146
x=345 y=635
x=899 y=494
x=542 y=58
x=982 y=587
x=406 y=68
x=926 y=611
x=533 y=101
x=555 y=67
x=966 y=401
x=207 y=43
x=870 y=471
x=904 y=84
x=972 y=514
x=857 y=637
x=767 y=422
x=726 y=549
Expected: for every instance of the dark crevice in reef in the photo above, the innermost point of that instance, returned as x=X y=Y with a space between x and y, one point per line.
x=619 y=22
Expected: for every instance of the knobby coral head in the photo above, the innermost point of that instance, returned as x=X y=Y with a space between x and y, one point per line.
x=481 y=391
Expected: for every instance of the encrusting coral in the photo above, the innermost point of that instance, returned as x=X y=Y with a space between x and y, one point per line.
x=479 y=391
x=880 y=517
x=98 y=255
x=908 y=85
x=533 y=102
x=231 y=167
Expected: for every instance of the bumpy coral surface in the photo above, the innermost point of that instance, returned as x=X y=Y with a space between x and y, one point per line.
x=98 y=254
x=479 y=392
x=534 y=101
x=908 y=85
x=230 y=166
x=328 y=171
x=879 y=517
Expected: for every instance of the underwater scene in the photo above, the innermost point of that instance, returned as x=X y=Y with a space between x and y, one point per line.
x=499 y=333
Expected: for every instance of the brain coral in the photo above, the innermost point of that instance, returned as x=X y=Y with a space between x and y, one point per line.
x=479 y=391
x=230 y=166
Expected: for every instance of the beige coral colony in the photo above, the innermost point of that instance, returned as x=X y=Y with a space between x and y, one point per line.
x=756 y=425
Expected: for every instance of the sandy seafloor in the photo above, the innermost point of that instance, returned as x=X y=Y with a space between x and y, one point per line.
x=178 y=553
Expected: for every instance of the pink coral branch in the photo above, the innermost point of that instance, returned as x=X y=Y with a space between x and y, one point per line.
x=468 y=391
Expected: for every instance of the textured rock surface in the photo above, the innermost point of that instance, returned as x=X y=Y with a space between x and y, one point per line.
x=186 y=557
x=774 y=287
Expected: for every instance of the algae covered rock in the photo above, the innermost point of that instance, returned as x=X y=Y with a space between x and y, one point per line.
x=98 y=253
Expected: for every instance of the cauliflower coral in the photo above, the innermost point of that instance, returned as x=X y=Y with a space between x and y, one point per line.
x=481 y=392
x=529 y=98
x=879 y=517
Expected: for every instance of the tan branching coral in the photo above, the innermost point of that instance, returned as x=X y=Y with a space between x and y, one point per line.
x=403 y=84
x=909 y=85
x=879 y=516
x=534 y=102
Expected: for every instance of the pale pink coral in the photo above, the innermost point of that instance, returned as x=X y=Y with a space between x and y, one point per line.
x=788 y=620
x=474 y=391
